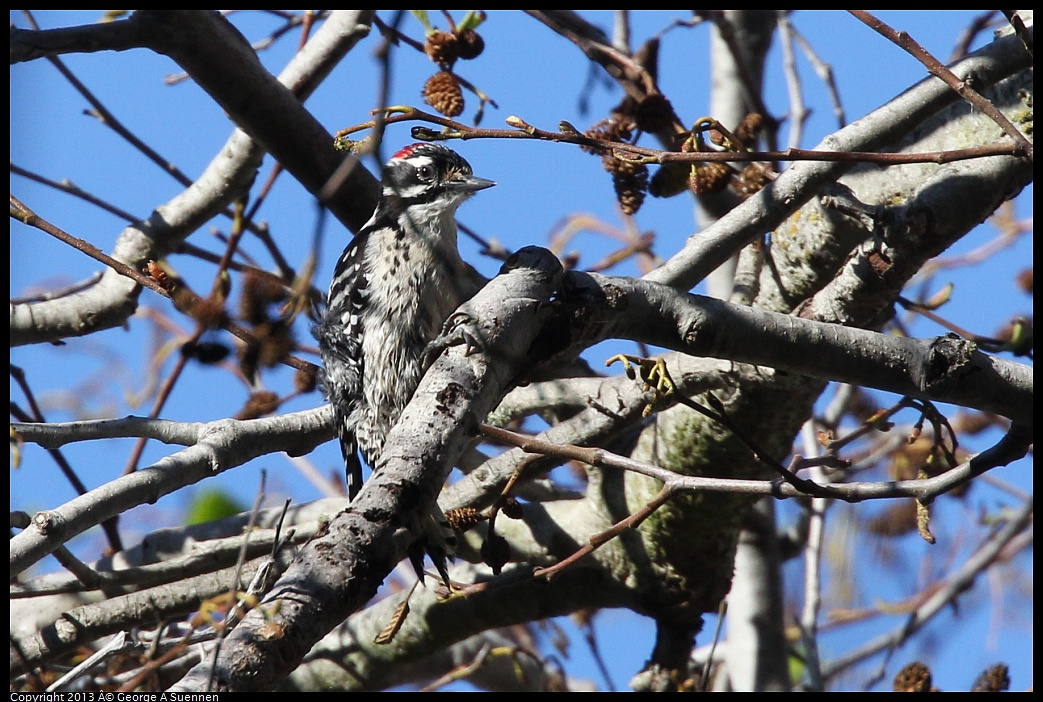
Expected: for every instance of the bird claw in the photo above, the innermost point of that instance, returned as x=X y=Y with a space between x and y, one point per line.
x=455 y=332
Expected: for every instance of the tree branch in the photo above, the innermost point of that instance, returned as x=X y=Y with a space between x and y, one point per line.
x=219 y=446
x=941 y=369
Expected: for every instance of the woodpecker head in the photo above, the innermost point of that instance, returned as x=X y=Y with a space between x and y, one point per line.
x=430 y=176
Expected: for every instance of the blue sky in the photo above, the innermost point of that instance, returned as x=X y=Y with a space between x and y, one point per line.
x=529 y=74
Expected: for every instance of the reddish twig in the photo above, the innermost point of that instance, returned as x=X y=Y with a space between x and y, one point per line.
x=938 y=69
x=641 y=154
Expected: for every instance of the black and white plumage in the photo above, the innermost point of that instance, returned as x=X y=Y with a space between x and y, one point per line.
x=394 y=286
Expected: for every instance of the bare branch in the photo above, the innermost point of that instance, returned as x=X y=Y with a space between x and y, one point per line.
x=220 y=446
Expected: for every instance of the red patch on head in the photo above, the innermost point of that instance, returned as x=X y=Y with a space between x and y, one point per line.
x=406 y=151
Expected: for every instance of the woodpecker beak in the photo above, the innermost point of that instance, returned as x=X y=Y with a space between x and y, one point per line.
x=472 y=184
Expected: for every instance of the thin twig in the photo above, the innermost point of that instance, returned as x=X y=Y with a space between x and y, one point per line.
x=596 y=541
x=28 y=217
x=1010 y=447
x=940 y=70
x=641 y=154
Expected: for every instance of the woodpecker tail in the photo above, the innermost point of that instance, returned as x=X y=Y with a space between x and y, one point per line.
x=352 y=466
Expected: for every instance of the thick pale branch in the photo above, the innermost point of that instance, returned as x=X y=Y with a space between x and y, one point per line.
x=220 y=60
x=92 y=621
x=29 y=45
x=942 y=369
x=57 y=434
x=221 y=445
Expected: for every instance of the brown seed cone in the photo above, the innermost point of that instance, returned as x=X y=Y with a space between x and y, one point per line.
x=259 y=291
x=630 y=181
x=496 y=552
x=614 y=128
x=749 y=129
x=305 y=379
x=512 y=508
x=995 y=679
x=1024 y=280
x=669 y=179
x=260 y=403
x=464 y=519
x=915 y=677
x=208 y=311
x=443 y=48
x=276 y=342
x=442 y=91
x=754 y=177
x=898 y=519
x=654 y=113
x=601 y=130
x=710 y=178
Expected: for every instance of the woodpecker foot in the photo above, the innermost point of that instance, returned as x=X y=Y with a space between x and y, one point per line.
x=458 y=330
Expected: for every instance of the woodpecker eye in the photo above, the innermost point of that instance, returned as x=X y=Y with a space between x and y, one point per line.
x=425 y=173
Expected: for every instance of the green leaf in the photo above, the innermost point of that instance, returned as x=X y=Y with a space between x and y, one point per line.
x=209 y=505
x=421 y=15
x=471 y=20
